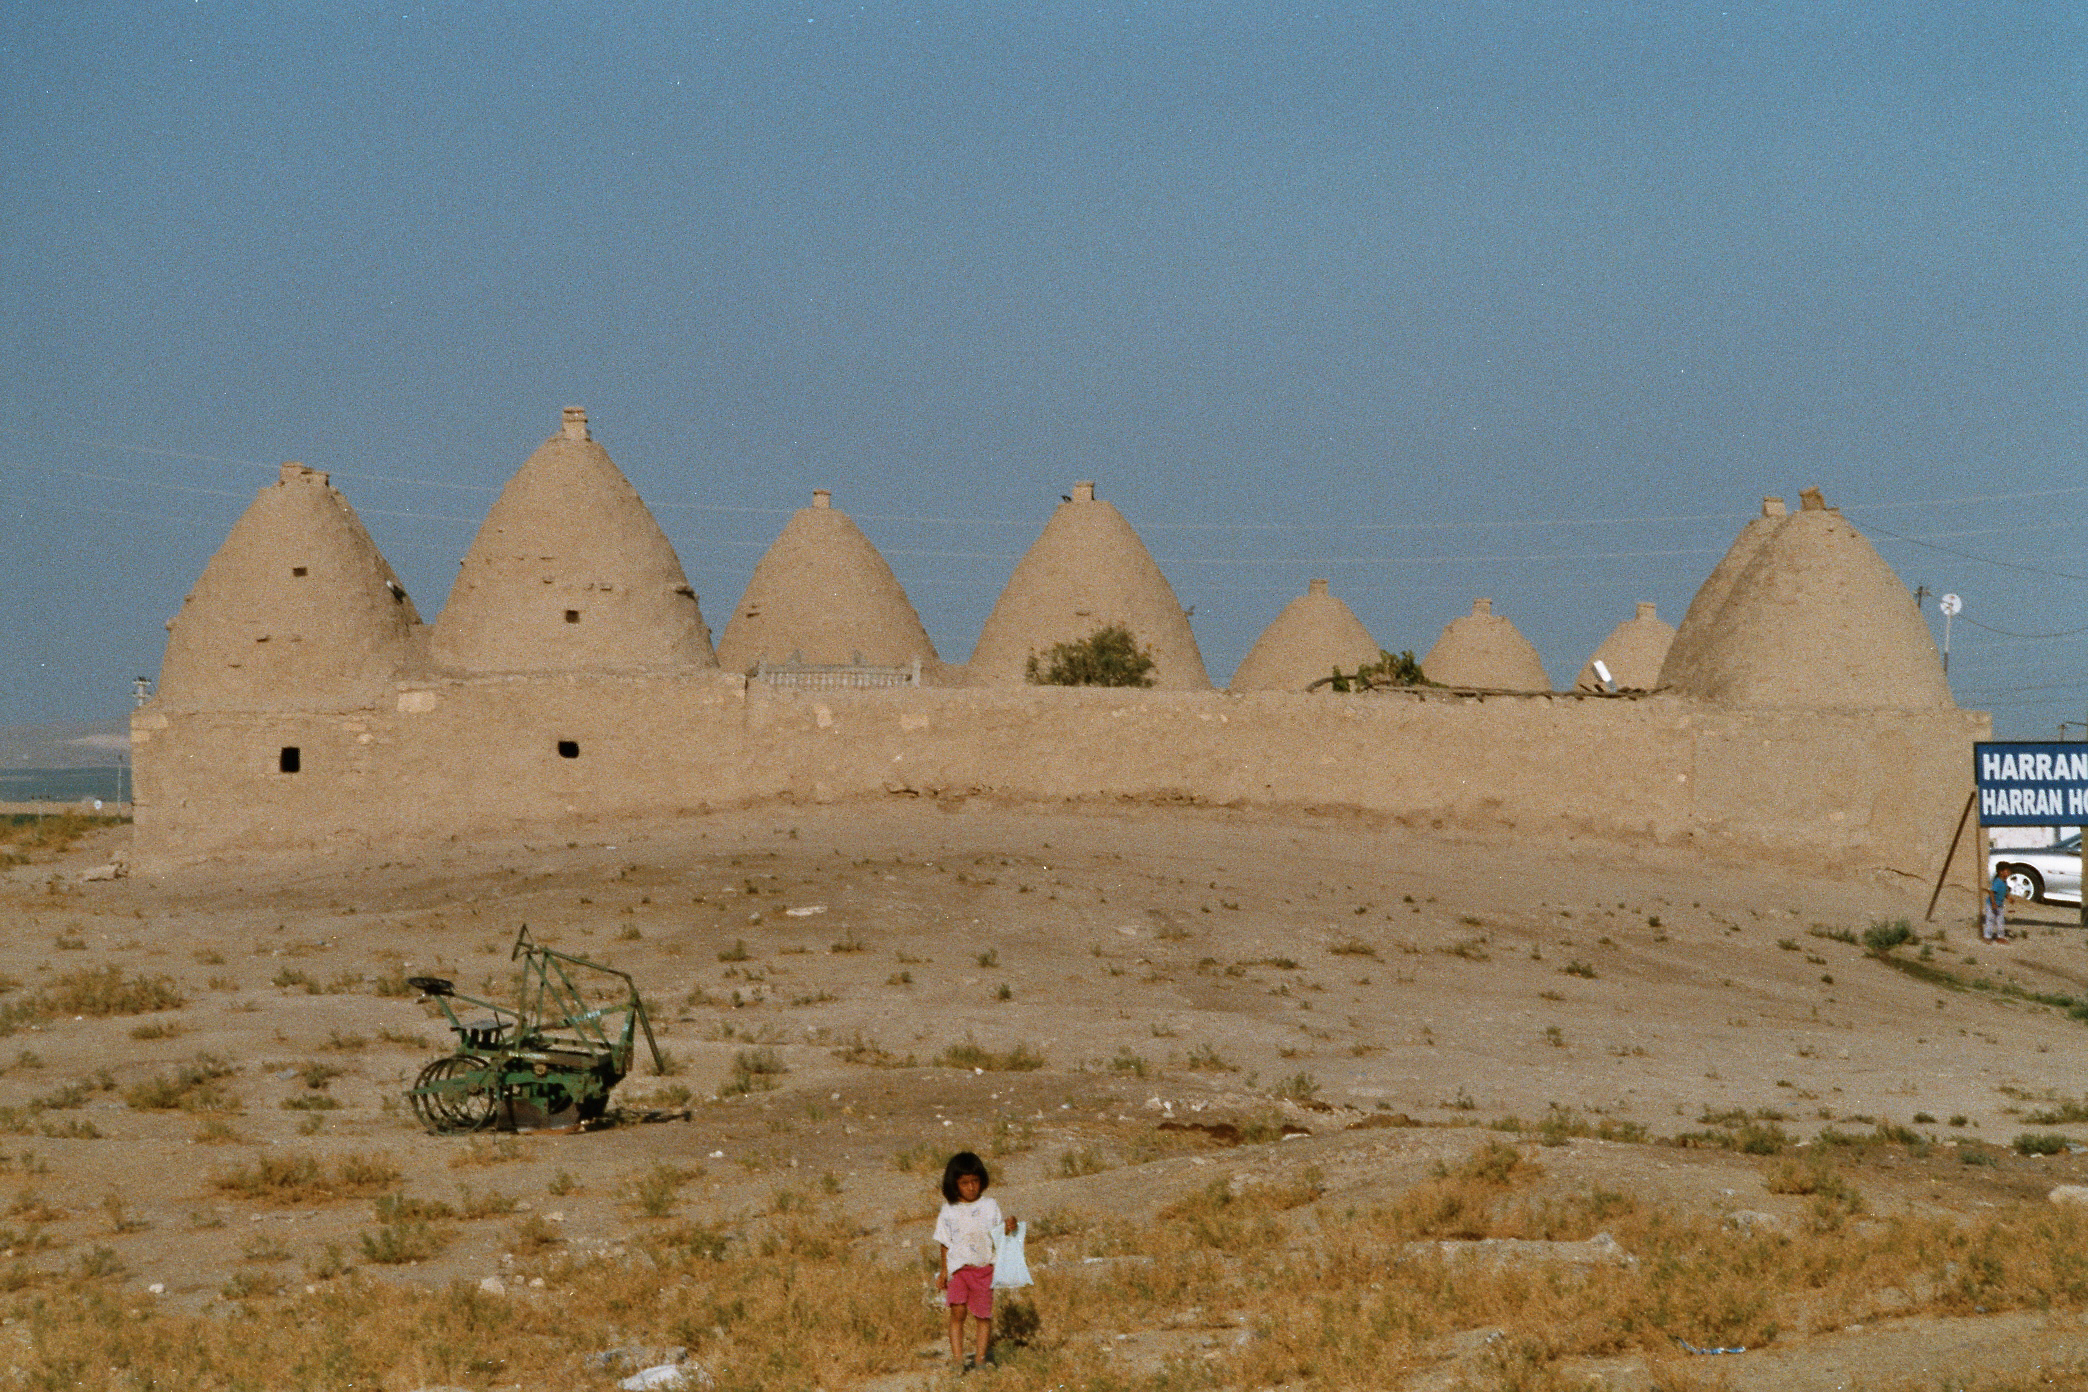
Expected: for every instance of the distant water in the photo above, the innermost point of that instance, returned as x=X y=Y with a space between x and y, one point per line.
x=61 y=784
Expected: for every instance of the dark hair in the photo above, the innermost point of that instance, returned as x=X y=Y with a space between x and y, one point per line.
x=961 y=1164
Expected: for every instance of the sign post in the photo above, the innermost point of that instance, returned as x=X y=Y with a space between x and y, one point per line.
x=2034 y=783
x=1951 y=854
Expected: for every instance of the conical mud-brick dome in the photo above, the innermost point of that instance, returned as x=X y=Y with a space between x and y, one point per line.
x=1701 y=618
x=823 y=592
x=571 y=574
x=1314 y=634
x=1819 y=619
x=1087 y=571
x=1484 y=650
x=1633 y=653
x=297 y=610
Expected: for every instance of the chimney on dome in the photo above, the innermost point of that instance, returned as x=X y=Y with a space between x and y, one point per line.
x=294 y=472
x=1315 y=587
x=573 y=423
x=822 y=497
x=1482 y=606
x=1812 y=500
x=1648 y=611
x=1773 y=507
x=1084 y=491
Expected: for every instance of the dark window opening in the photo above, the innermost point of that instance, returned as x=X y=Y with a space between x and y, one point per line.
x=569 y=749
x=572 y=616
x=291 y=759
x=297 y=571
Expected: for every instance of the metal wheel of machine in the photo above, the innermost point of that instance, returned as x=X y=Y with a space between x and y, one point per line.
x=458 y=1093
x=2024 y=882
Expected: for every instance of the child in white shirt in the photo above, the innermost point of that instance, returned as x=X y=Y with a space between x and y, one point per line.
x=965 y=1228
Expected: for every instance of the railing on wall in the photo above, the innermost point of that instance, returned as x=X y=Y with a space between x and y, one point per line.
x=829 y=676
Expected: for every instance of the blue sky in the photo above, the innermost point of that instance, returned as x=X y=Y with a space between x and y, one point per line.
x=1524 y=300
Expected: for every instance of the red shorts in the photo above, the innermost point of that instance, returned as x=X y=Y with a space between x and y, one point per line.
x=971 y=1286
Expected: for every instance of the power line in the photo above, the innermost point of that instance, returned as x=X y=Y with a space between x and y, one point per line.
x=2013 y=529
x=720 y=507
x=419 y=516
x=423 y=483
x=1458 y=525
x=2011 y=633
x=140 y=449
x=932 y=554
x=1975 y=498
x=132 y=482
x=2034 y=686
x=123 y=512
x=2048 y=704
x=1984 y=560
x=1428 y=560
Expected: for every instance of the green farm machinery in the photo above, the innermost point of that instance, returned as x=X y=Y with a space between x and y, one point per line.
x=547 y=1064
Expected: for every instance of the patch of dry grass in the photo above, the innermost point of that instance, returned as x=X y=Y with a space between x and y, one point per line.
x=96 y=992
x=193 y=1087
x=870 y=1054
x=502 y=1150
x=24 y=836
x=1347 y=1308
x=971 y=1054
x=403 y=1241
x=534 y=1236
x=303 y=1179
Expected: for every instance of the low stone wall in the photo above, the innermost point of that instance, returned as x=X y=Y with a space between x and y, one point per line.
x=1828 y=790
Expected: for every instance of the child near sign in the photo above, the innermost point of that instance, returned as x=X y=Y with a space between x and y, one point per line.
x=1993 y=922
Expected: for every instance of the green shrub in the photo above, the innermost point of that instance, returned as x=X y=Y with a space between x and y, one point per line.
x=2040 y=1143
x=1109 y=656
x=395 y=1244
x=2062 y=1114
x=1128 y=1062
x=1882 y=937
x=1391 y=669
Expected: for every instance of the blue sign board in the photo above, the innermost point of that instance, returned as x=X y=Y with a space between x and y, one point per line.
x=2031 y=784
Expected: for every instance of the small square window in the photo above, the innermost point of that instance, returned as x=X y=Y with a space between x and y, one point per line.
x=572 y=616
x=569 y=749
x=298 y=571
x=290 y=760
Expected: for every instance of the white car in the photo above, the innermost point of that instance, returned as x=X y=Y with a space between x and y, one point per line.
x=2041 y=872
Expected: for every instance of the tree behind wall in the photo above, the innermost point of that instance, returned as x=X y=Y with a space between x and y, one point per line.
x=1391 y=669
x=1109 y=656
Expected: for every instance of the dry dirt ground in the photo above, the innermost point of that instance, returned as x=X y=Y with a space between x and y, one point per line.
x=1169 y=964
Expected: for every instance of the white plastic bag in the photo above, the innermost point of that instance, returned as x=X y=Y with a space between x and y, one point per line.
x=1010 y=1267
